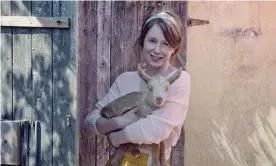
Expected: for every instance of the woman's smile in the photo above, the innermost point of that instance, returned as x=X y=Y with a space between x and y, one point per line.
x=156 y=58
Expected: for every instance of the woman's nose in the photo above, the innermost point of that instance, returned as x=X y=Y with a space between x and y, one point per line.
x=157 y=49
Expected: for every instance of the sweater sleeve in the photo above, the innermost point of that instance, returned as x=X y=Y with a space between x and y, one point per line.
x=91 y=118
x=158 y=126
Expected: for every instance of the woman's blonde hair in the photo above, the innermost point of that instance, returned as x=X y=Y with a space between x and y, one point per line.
x=171 y=27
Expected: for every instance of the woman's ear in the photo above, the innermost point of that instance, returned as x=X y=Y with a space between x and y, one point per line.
x=176 y=51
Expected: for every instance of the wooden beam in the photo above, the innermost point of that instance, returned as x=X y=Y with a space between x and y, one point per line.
x=28 y=21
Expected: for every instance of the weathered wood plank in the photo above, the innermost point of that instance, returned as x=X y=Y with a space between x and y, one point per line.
x=35 y=143
x=42 y=81
x=117 y=47
x=180 y=8
x=24 y=145
x=21 y=8
x=184 y=17
x=123 y=37
x=5 y=8
x=142 y=13
x=151 y=7
x=10 y=142
x=6 y=65
x=64 y=87
x=22 y=72
x=44 y=22
x=103 y=69
x=130 y=36
x=87 y=74
x=140 y=19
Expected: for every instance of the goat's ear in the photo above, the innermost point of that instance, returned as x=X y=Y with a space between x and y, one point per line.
x=142 y=74
x=175 y=75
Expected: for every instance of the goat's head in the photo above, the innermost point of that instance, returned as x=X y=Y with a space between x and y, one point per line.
x=158 y=86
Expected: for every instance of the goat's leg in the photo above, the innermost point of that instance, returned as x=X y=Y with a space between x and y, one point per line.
x=119 y=153
x=163 y=161
x=155 y=161
x=117 y=157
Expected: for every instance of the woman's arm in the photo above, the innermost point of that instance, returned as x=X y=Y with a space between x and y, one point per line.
x=108 y=125
x=102 y=126
x=95 y=121
x=158 y=126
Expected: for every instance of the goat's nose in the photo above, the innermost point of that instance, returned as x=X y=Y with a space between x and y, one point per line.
x=159 y=99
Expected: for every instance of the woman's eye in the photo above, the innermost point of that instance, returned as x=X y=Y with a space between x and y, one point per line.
x=166 y=44
x=152 y=40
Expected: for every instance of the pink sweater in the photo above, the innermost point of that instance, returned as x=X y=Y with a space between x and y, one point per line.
x=163 y=124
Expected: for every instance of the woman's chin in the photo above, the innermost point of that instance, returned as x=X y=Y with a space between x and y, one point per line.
x=155 y=63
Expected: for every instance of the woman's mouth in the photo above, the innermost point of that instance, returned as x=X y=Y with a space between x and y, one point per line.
x=155 y=57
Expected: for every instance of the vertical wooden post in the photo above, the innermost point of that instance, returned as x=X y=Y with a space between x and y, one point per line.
x=41 y=52
x=22 y=72
x=103 y=69
x=6 y=65
x=87 y=74
x=64 y=131
x=180 y=8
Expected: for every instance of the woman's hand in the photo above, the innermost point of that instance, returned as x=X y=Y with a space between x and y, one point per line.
x=117 y=138
x=127 y=118
x=105 y=126
x=110 y=139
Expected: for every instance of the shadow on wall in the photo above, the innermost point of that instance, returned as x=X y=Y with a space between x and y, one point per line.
x=262 y=140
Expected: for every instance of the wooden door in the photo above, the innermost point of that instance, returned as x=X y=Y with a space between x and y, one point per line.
x=38 y=74
x=107 y=32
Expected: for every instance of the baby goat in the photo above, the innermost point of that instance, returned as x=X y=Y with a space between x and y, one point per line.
x=147 y=102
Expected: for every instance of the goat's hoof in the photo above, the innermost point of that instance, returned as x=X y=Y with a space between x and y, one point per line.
x=106 y=113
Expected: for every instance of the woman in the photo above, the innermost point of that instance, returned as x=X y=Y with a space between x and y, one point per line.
x=161 y=38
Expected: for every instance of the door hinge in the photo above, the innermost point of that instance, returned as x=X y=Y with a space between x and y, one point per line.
x=195 y=22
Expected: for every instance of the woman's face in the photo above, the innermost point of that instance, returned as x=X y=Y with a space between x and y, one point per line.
x=156 y=49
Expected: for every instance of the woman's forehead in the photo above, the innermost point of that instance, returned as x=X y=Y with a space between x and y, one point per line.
x=156 y=32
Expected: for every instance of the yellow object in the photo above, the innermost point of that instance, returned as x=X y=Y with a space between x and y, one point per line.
x=129 y=160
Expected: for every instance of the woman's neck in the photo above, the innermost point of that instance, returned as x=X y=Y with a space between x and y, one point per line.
x=164 y=70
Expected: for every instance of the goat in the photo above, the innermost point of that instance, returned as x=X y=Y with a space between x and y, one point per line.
x=154 y=98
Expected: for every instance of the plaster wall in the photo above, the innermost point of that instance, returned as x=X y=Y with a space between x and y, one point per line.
x=232 y=62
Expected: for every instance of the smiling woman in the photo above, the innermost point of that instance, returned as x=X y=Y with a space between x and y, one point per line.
x=161 y=38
